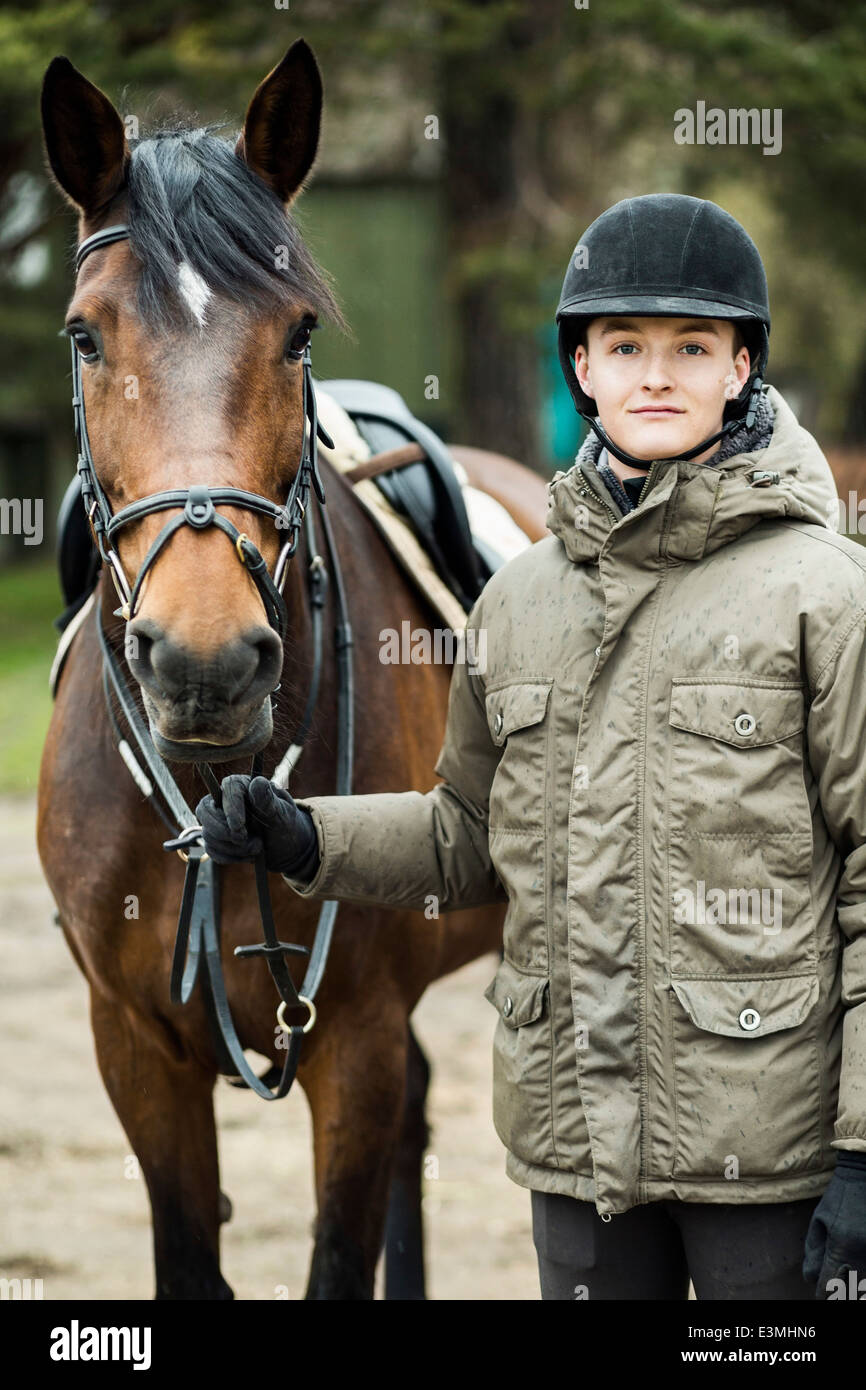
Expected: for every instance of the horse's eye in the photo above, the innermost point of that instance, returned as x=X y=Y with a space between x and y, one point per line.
x=86 y=346
x=301 y=340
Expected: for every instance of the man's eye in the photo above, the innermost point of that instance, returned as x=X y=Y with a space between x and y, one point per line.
x=85 y=345
x=629 y=348
x=699 y=349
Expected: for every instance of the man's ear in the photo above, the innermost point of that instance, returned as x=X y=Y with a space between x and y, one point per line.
x=738 y=375
x=84 y=138
x=742 y=366
x=581 y=371
x=281 y=130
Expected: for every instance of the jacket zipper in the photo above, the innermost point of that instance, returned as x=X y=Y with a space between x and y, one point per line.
x=582 y=491
x=587 y=487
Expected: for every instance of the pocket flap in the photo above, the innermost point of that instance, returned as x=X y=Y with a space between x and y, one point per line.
x=748 y=1008
x=737 y=713
x=516 y=706
x=518 y=997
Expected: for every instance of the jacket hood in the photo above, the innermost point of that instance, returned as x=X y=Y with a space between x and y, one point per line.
x=711 y=506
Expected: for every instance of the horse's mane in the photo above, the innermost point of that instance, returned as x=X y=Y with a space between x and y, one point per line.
x=192 y=199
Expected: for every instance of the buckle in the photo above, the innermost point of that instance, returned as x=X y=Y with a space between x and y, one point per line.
x=287 y=1027
x=188 y=839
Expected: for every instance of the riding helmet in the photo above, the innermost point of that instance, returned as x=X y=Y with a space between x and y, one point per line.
x=667 y=254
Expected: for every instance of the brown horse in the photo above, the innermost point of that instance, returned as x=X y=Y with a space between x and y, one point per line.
x=189 y=335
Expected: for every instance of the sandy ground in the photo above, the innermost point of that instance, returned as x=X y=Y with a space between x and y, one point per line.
x=75 y=1215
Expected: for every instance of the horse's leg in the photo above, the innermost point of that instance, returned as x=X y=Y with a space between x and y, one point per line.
x=166 y=1108
x=355 y=1083
x=404 y=1232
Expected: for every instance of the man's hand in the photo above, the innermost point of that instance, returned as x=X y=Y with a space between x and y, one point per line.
x=836 y=1239
x=254 y=816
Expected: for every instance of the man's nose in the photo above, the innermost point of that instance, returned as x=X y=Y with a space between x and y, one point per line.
x=658 y=373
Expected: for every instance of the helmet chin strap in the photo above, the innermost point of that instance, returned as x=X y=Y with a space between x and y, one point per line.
x=646 y=464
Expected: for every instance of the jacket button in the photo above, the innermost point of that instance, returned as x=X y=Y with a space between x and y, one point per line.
x=749 y=1019
x=745 y=724
x=598 y=651
x=508 y=1006
x=498 y=722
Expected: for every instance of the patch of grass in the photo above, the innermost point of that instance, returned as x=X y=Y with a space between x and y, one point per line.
x=29 y=601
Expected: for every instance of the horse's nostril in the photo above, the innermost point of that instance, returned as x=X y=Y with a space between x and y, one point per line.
x=269 y=649
x=138 y=643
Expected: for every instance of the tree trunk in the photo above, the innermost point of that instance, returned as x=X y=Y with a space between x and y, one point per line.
x=498 y=404
x=854 y=430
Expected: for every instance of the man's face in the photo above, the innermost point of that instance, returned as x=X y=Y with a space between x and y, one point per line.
x=661 y=384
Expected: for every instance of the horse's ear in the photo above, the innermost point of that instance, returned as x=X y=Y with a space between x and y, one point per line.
x=281 y=130
x=84 y=138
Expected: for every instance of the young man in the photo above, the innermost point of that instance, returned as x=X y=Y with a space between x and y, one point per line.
x=664 y=764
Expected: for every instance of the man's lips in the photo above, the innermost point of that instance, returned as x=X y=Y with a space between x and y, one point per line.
x=657 y=410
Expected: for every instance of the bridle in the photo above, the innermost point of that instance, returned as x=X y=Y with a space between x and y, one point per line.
x=199 y=503
x=198 y=930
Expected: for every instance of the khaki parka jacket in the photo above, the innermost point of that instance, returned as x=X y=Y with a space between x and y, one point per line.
x=663 y=765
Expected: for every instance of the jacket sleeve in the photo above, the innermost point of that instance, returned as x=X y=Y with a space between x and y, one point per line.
x=397 y=849
x=837 y=752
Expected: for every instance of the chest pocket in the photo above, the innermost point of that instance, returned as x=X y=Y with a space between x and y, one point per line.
x=739 y=828
x=745 y=716
x=519 y=724
x=516 y=718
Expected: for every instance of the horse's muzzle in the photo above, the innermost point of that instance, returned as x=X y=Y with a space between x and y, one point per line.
x=205 y=708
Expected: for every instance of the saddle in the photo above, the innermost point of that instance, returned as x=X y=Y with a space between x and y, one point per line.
x=410 y=466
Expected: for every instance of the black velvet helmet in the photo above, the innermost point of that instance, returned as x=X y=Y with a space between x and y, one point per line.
x=667 y=254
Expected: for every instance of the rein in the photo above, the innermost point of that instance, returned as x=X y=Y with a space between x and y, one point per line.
x=198 y=929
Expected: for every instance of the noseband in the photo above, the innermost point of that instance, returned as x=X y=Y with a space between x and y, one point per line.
x=198 y=503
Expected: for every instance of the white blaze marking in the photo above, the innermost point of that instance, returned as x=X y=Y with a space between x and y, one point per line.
x=193 y=290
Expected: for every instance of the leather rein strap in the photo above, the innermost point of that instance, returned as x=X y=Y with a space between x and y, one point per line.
x=198 y=930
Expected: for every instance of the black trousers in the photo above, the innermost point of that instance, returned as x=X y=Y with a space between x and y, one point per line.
x=730 y=1251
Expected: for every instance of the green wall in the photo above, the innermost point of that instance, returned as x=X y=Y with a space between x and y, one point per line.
x=384 y=247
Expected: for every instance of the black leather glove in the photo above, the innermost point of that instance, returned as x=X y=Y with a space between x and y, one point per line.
x=836 y=1239
x=255 y=816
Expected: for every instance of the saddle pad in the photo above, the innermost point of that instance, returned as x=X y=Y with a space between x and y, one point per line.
x=488 y=519
x=66 y=638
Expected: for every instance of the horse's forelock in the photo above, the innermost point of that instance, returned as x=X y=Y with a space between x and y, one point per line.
x=192 y=200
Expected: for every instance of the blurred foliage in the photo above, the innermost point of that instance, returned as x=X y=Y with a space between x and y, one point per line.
x=588 y=100
x=29 y=600
x=576 y=107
